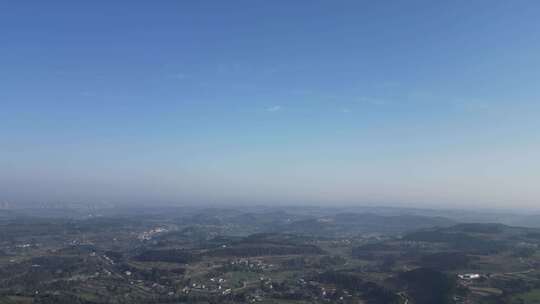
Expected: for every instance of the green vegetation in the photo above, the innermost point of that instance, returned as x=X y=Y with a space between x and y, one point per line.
x=531 y=297
x=226 y=256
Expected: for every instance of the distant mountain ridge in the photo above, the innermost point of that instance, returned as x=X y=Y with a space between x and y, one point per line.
x=355 y=223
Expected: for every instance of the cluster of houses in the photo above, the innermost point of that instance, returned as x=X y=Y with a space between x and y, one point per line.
x=148 y=235
x=250 y=264
x=469 y=276
x=213 y=285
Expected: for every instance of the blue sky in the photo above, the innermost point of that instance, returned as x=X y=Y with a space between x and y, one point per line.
x=424 y=103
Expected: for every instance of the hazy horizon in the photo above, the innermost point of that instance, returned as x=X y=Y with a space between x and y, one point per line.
x=419 y=103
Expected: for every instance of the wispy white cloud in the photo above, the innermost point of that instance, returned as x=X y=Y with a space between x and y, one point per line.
x=273 y=109
x=345 y=110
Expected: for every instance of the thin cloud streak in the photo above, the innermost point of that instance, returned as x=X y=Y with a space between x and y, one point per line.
x=273 y=109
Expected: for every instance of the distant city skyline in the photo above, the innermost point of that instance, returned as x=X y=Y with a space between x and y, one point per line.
x=415 y=103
